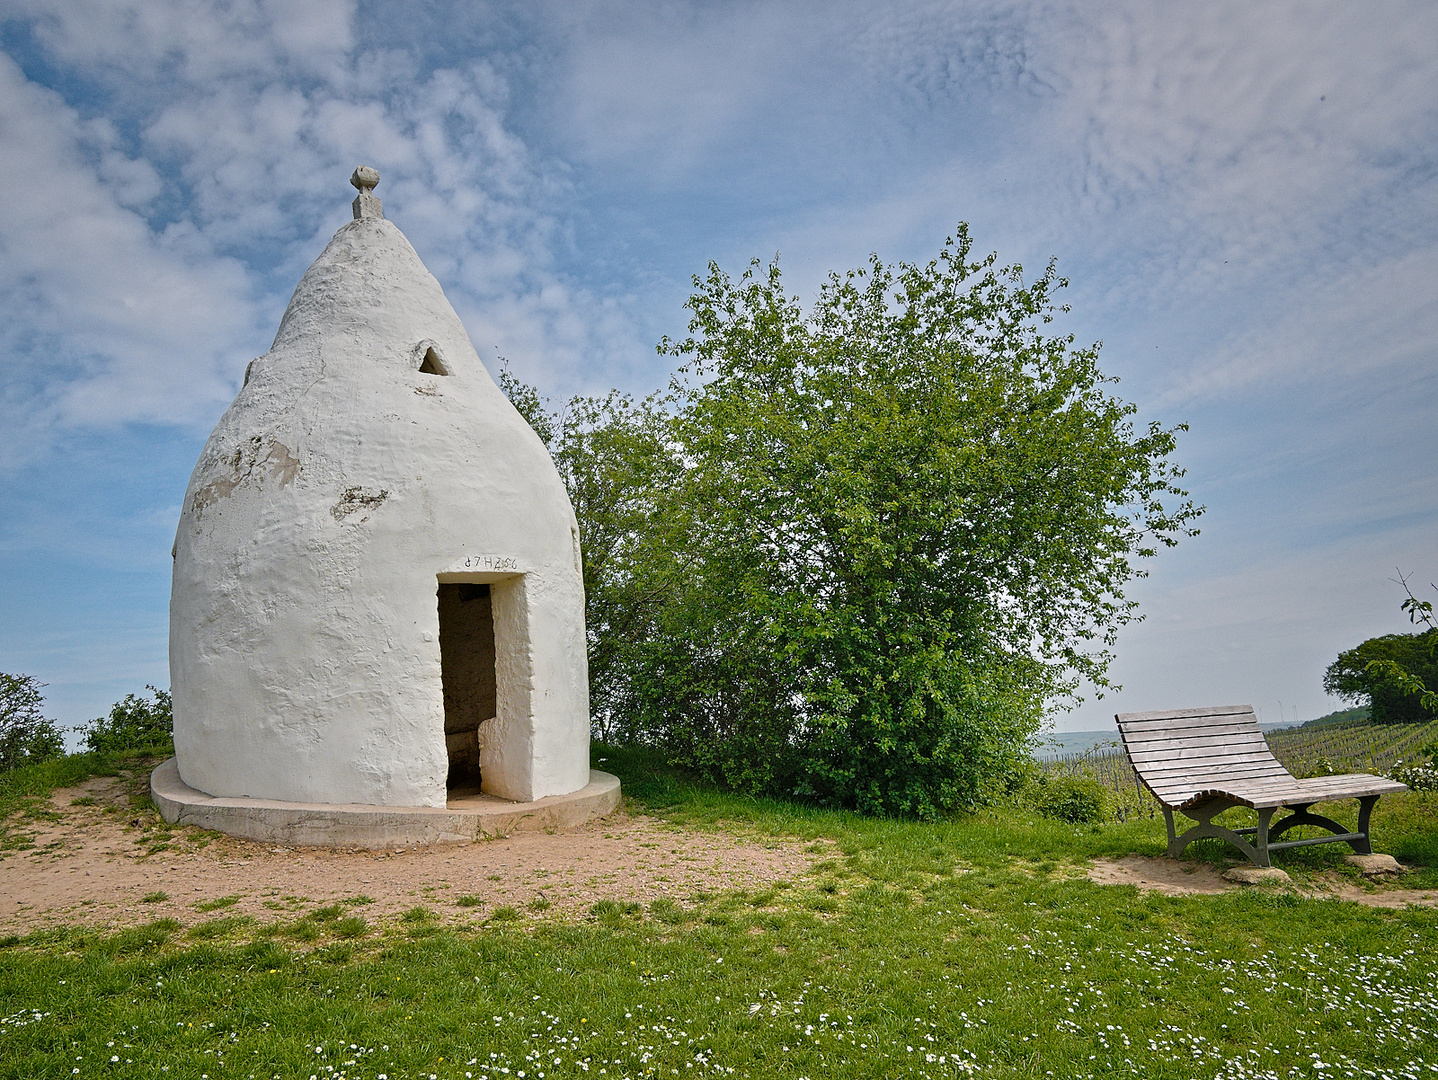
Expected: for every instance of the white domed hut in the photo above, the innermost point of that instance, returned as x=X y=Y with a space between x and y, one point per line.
x=377 y=586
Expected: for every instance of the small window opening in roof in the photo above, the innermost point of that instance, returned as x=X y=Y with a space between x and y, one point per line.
x=433 y=363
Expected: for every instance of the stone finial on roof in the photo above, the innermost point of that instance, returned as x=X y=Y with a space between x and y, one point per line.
x=366 y=205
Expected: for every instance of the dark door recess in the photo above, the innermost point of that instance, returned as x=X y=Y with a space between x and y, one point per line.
x=466 y=657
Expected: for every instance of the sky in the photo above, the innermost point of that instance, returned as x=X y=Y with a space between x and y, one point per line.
x=1243 y=196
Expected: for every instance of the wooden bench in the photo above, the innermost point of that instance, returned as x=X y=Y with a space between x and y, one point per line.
x=1201 y=762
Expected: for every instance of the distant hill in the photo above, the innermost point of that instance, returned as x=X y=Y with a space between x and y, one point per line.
x=1059 y=744
x=1343 y=716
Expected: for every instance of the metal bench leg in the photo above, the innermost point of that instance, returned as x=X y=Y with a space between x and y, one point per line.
x=1172 y=835
x=1261 y=838
x=1256 y=853
x=1365 y=808
x=1302 y=816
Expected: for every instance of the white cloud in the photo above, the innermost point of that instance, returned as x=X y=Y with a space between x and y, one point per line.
x=1363 y=325
x=1278 y=137
x=662 y=90
x=103 y=319
x=193 y=41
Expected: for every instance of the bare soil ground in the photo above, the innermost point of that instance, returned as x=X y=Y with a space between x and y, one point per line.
x=1176 y=878
x=97 y=854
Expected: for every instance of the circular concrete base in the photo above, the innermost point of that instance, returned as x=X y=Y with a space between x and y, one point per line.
x=465 y=820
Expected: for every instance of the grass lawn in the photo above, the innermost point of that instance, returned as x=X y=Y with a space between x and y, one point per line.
x=968 y=948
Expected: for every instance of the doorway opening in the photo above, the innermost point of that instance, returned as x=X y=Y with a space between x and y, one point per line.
x=466 y=658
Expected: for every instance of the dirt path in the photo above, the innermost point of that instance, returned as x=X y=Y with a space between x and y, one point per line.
x=97 y=854
x=99 y=858
x=1175 y=878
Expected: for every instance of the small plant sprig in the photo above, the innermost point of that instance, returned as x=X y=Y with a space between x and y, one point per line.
x=1418 y=611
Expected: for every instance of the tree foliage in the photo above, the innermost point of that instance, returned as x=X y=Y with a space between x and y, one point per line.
x=1395 y=674
x=138 y=723
x=26 y=736
x=617 y=462
x=854 y=554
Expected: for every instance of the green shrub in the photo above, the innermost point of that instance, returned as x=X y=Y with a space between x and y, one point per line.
x=1420 y=775
x=1079 y=800
x=26 y=736
x=134 y=724
x=852 y=554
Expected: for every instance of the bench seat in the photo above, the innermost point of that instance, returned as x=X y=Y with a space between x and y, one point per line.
x=1201 y=762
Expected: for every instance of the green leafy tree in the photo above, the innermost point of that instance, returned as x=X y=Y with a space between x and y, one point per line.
x=136 y=724
x=1393 y=673
x=863 y=549
x=25 y=734
x=615 y=457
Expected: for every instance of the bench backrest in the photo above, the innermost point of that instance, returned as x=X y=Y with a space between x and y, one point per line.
x=1182 y=752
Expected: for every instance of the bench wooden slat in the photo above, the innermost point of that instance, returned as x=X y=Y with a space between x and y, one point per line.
x=1191 y=727
x=1199 y=771
x=1210 y=763
x=1171 y=738
x=1218 y=737
x=1173 y=714
x=1261 y=795
x=1196 y=777
x=1175 y=791
x=1343 y=786
x=1283 y=781
x=1270 y=802
x=1184 y=715
x=1190 y=756
x=1177 y=794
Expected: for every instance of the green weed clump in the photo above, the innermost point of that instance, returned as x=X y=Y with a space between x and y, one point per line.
x=610 y=908
x=216 y=904
x=352 y=926
x=667 y=911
